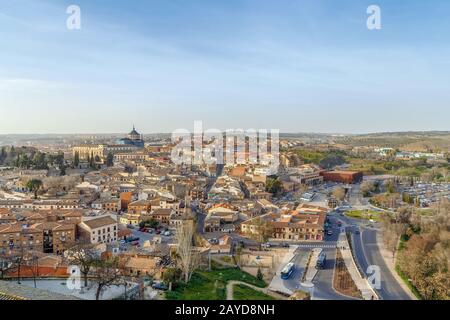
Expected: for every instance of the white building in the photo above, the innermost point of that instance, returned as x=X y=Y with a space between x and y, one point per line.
x=99 y=230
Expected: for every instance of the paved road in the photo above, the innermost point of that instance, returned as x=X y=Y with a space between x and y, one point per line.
x=143 y=237
x=323 y=283
x=367 y=253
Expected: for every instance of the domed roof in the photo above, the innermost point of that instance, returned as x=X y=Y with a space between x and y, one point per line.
x=134 y=132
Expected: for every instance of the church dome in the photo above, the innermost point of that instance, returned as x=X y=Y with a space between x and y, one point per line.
x=134 y=135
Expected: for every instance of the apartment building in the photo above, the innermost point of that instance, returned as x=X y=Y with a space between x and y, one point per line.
x=113 y=205
x=140 y=207
x=99 y=230
x=47 y=237
x=306 y=223
x=47 y=204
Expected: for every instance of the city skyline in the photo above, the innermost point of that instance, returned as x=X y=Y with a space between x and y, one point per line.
x=301 y=66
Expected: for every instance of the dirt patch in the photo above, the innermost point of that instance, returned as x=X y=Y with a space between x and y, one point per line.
x=343 y=282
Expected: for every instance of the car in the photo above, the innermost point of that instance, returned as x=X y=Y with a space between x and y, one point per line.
x=285 y=245
x=133 y=239
x=357 y=231
x=149 y=230
x=167 y=233
x=158 y=232
x=123 y=241
x=160 y=286
x=213 y=240
x=329 y=232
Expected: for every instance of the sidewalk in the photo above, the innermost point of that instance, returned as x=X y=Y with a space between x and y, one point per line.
x=311 y=270
x=390 y=263
x=277 y=284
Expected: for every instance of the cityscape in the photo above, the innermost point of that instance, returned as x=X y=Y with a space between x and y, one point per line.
x=326 y=179
x=118 y=219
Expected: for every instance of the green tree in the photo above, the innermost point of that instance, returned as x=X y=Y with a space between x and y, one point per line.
x=34 y=185
x=273 y=186
x=3 y=155
x=172 y=277
x=110 y=160
x=260 y=275
x=76 y=160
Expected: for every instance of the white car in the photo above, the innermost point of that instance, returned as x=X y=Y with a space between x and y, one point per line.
x=167 y=233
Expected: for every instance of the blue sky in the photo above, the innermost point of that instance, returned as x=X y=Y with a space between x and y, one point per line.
x=293 y=65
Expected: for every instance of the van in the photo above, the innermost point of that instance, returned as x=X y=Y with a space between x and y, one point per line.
x=321 y=261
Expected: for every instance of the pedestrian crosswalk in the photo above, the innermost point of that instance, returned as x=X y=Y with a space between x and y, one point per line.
x=312 y=246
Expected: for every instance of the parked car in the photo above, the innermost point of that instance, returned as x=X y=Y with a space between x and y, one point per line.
x=213 y=241
x=160 y=286
x=330 y=232
x=133 y=239
x=167 y=233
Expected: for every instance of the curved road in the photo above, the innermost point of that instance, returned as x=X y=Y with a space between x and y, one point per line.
x=367 y=253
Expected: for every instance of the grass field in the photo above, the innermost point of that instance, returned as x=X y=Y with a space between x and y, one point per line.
x=365 y=215
x=242 y=292
x=211 y=285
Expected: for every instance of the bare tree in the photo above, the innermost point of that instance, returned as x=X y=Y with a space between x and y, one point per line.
x=391 y=234
x=339 y=193
x=105 y=274
x=85 y=257
x=7 y=264
x=188 y=257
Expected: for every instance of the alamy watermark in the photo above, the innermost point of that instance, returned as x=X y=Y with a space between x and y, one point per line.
x=73 y=22
x=374 y=19
x=229 y=147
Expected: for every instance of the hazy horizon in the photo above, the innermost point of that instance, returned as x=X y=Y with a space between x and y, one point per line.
x=281 y=133
x=293 y=65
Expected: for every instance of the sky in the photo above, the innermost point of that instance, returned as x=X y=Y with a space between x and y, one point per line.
x=292 y=65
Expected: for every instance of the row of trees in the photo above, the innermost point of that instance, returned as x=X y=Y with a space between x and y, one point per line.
x=422 y=246
x=93 y=160
x=30 y=158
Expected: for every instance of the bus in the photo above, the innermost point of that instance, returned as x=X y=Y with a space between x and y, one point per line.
x=321 y=261
x=286 y=273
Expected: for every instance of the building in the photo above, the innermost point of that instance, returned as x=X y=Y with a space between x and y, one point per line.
x=107 y=205
x=130 y=219
x=125 y=200
x=133 y=142
x=47 y=204
x=100 y=151
x=99 y=230
x=140 y=207
x=46 y=237
x=307 y=174
x=223 y=245
x=162 y=215
x=306 y=223
x=134 y=138
x=348 y=177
